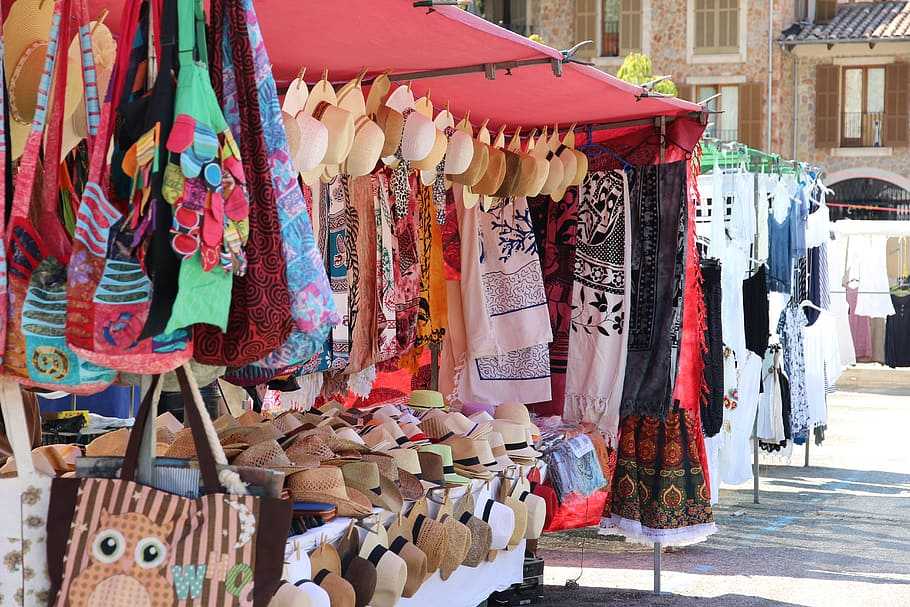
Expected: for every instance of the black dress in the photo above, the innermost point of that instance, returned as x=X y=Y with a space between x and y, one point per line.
x=755 y=311
x=897 y=333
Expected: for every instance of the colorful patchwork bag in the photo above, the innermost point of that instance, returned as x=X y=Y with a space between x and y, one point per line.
x=260 y=319
x=118 y=543
x=5 y=191
x=109 y=296
x=312 y=305
x=36 y=350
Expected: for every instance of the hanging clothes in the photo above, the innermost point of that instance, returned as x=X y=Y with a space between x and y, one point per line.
x=823 y=366
x=860 y=328
x=837 y=269
x=755 y=311
x=897 y=333
x=868 y=263
x=660 y=493
x=657 y=198
x=361 y=244
x=780 y=257
x=387 y=342
x=773 y=419
x=600 y=303
x=712 y=404
x=791 y=325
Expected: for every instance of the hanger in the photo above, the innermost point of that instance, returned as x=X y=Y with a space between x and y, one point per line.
x=366 y=525
x=599 y=147
x=300 y=75
x=808 y=304
x=100 y=20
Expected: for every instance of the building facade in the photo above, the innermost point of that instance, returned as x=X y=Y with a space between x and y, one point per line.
x=821 y=81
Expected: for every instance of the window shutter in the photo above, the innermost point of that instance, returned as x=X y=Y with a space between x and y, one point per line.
x=897 y=79
x=586 y=27
x=751 y=110
x=686 y=92
x=826 y=111
x=630 y=27
x=825 y=10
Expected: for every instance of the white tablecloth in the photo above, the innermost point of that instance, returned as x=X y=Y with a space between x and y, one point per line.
x=467 y=587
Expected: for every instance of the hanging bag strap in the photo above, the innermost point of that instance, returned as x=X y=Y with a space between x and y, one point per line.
x=208 y=448
x=13 y=408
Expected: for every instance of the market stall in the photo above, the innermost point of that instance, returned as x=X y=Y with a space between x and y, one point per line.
x=445 y=244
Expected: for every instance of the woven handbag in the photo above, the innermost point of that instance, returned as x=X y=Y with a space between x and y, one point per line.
x=38 y=246
x=109 y=294
x=119 y=543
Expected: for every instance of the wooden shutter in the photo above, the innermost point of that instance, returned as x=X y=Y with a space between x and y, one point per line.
x=825 y=10
x=586 y=26
x=630 y=27
x=751 y=110
x=704 y=24
x=727 y=24
x=686 y=92
x=897 y=79
x=827 y=83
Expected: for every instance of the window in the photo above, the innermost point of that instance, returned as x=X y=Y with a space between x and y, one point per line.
x=620 y=27
x=510 y=14
x=862 y=106
x=615 y=26
x=825 y=10
x=716 y=26
x=863 y=103
x=725 y=125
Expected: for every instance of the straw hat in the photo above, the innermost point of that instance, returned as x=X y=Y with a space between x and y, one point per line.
x=167 y=420
x=365 y=477
x=459 y=154
x=426 y=399
x=392 y=124
x=306 y=450
x=391 y=574
x=570 y=166
x=537 y=511
x=459 y=424
x=377 y=438
x=521 y=520
x=350 y=97
x=458 y=544
x=418 y=137
x=25 y=41
x=401 y=99
x=326 y=484
x=340 y=591
x=379 y=90
x=368 y=143
x=432 y=469
x=515 y=437
x=325 y=558
x=267 y=454
x=314 y=142
x=498 y=447
x=435 y=428
x=302 y=594
x=496 y=167
x=481 y=533
x=415 y=434
x=518 y=413
x=437 y=153
x=165 y=436
x=509 y=186
x=112 y=444
x=541 y=170
x=340 y=125
x=416 y=562
x=362 y=575
x=467 y=458
x=430 y=537
x=485 y=454
x=287 y=423
x=448 y=465
x=250 y=418
x=349 y=434
x=501 y=520
x=408 y=482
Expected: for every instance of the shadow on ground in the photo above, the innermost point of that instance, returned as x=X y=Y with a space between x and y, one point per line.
x=561 y=596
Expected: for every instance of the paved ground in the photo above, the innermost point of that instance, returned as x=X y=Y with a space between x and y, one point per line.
x=835 y=534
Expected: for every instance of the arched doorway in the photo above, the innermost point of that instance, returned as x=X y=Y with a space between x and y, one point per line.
x=892 y=195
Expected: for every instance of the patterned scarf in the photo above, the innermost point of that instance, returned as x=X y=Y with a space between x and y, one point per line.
x=387 y=344
x=362 y=273
x=658 y=198
x=338 y=259
x=600 y=301
x=451 y=241
x=406 y=273
x=431 y=317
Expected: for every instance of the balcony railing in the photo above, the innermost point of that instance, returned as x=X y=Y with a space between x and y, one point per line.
x=862 y=129
x=722 y=134
x=610 y=39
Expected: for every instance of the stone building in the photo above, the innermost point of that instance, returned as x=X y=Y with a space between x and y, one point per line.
x=822 y=81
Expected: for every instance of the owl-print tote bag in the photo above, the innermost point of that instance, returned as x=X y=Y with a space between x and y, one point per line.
x=24 y=501
x=118 y=543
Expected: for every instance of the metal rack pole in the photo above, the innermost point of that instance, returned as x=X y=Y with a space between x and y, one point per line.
x=755 y=468
x=657 y=553
x=808 y=442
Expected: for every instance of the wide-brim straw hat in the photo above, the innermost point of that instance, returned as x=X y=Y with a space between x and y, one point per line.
x=450 y=475
x=365 y=478
x=459 y=153
x=555 y=175
x=467 y=458
x=487 y=459
x=104 y=54
x=459 y=424
x=521 y=520
x=320 y=92
x=368 y=143
x=517 y=413
x=340 y=125
x=570 y=166
x=418 y=137
x=426 y=399
x=308 y=450
x=428 y=165
x=326 y=484
x=480 y=158
x=509 y=185
x=458 y=544
x=515 y=439
x=112 y=444
x=314 y=141
x=494 y=175
x=287 y=423
x=267 y=454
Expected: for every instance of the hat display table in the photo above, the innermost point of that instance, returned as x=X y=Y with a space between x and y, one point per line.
x=474 y=584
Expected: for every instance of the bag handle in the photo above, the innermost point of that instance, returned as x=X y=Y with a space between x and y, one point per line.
x=13 y=409
x=208 y=448
x=3 y=130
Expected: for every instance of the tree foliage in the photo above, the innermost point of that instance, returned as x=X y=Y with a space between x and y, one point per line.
x=636 y=68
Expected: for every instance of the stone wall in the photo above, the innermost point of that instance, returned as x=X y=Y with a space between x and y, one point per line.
x=554 y=21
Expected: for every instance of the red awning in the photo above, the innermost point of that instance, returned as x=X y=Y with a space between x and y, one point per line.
x=346 y=36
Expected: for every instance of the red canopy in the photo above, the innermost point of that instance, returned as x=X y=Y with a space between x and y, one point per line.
x=346 y=36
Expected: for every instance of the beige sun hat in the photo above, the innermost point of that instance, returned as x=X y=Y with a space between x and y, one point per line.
x=570 y=168
x=429 y=535
x=340 y=125
x=437 y=153
x=369 y=140
x=445 y=126
x=25 y=42
x=267 y=454
x=326 y=484
x=365 y=478
x=496 y=167
x=419 y=134
x=459 y=154
x=542 y=166
x=556 y=171
x=379 y=90
x=104 y=54
x=312 y=135
x=518 y=413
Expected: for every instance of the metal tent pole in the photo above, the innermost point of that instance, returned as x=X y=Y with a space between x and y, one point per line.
x=808 y=442
x=657 y=554
x=755 y=461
